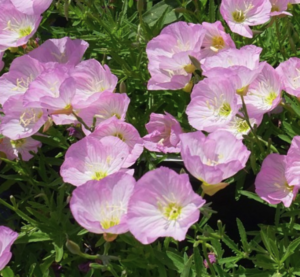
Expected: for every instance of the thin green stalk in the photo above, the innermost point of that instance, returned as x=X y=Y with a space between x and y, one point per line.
x=82 y=122
x=279 y=39
x=212 y=270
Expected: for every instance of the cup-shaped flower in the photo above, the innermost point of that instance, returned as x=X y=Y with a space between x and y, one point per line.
x=213 y=104
x=164 y=131
x=125 y=132
x=22 y=72
x=289 y=72
x=279 y=7
x=264 y=94
x=214 y=158
x=91 y=159
x=239 y=15
x=109 y=105
x=163 y=204
x=215 y=39
x=92 y=79
x=101 y=206
x=21 y=122
x=31 y=6
x=271 y=184
x=63 y=50
x=12 y=148
x=293 y=163
x=169 y=63
x=16 y=28
x=7 y=238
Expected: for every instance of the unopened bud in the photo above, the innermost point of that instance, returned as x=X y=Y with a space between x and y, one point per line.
x=13 y=49
x=73 y=247
x=47 y=124
x=242 y=91
x=190 y=68
x=122 y=88
x=109 y=237
x=140 y=5
x=188 y=87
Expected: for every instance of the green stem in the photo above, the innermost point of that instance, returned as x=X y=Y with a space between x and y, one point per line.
x=279 y=39
x=212 y=270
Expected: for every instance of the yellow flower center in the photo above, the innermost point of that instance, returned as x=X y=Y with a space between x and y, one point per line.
x=275 y=9
x=29 y=116
x=172 y=211
x=99 y=175
x=225 y=110
x=106 y=224
x=24 y=32
x=218 y=43
x=120 y=136
x=242 y=126
x=238 y=16
x=271 y=97
x=18 y=142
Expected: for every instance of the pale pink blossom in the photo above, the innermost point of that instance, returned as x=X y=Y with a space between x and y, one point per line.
x=91 y=159
x=21 y=122
x=279 y=7
x=101 y=206
x=14 y=148
x=271 y=184
x=16 y=28
x=239 y=15
x=164 y=131
x=7 y=238
x=289 y=71
x=214 y=158
x=293 y=163
x=31 y=6
x=213 y=104
x=163 y=204
x=215 y=39
x=109 y=105
x=168 y=53
x=92 y=79
x=22 y=72
x=63 y=50
x=125 y=132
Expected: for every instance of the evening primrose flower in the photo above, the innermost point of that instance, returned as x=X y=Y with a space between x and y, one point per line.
x=13 y=148
x=163 y=204
x=279 y=7
x=16 y=28
x=101 y=206
x=239 y=15
x=289 y=71
x=168 y=53
x=293 y=163
x=125 y=132
x=215 y=39
x=63 y=51
x=271 y=184
x=7 y=238
x=214 y=158
x=91 y=159
x=163 y=135
x=31 y=7
x=213 y=104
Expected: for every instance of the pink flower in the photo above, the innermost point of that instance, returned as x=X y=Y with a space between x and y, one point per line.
x=168 y=53
x=239 y=15
x=22 y=72
x=1 y=62
x=163 y=205
x=215 y=39
x=271 y=184
x=279 y=7
x=31 y=6
x=101 y=206
x=109 y=105
x=164 y=131
x=14 y=148
x=7 y=238
x=125 y=132
x=92 y=79
x=64 y=51
x=212 y=260
x=213 y=158
x=289 y=72
x=293 y=163
x=213 y=104
x=264 y=94
x=16 y=28
x=21 y=122
x=91 y=159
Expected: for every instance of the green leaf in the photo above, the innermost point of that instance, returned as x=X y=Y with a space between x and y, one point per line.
x=7 y=272
x=199 y=267
x=232 y=245
x=290 y=249
x=32 y=237
x=187 y=267
x=243 y=235
x=255 y=197
x=177 y=260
